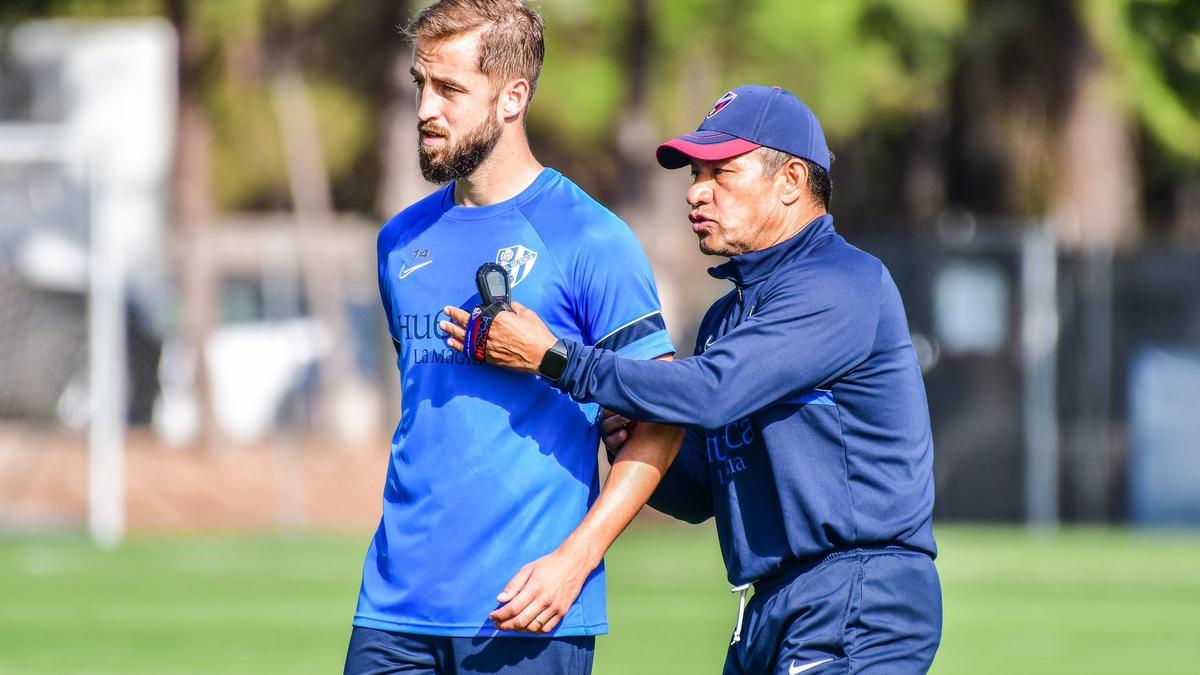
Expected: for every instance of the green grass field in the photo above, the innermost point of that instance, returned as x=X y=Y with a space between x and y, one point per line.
x=1090 y=601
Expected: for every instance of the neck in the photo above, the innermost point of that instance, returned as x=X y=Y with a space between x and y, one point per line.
x=793 y=223
x=503 y=175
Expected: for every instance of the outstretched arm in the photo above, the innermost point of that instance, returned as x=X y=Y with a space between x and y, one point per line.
x=804 y=335
x=540 y=594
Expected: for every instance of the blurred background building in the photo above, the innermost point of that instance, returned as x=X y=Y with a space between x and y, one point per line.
x=190 y=191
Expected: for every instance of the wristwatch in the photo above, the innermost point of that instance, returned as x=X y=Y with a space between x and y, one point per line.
x=554 y=362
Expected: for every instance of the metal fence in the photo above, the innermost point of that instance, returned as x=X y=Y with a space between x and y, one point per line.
x=1062 y=384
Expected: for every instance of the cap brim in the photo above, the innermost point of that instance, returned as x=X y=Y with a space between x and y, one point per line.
x=707 y=146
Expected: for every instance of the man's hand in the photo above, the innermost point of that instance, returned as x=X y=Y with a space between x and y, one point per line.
x=517 y=340
x=542 y=592
x=615 y=429
x=540 y=595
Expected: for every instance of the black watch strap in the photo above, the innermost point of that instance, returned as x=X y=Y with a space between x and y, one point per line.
x=554 y=362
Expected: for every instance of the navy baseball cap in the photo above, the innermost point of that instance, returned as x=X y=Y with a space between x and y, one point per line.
x=747 y=118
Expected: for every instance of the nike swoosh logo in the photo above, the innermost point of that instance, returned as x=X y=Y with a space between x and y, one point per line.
x=708 y=342
x=406 y=270
x=793 y=669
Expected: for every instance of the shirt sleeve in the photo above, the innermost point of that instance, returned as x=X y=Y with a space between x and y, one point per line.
x=805 y=335
x=383 y=247
x=685 y=492
x=617 y=302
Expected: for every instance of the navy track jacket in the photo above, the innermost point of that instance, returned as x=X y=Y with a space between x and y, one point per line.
x=807 y=423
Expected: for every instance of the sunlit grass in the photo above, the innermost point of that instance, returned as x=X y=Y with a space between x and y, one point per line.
x=1085 y=601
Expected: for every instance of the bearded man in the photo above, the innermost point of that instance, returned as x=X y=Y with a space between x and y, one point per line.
x=490 y=470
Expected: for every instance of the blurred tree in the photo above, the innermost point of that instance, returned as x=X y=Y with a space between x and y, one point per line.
x=573 y=117
x=14 y=10
x=194 y=207
x=874 y=71
x=1154 y=46
x=1048 y=102
x=981 y=105
x=1032 y=132
x=249 y=155
x=1157 y=46
x=634 y=132
x=394 y=96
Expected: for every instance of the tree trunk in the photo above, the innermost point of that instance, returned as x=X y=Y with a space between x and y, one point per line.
x=401 y=183
x=635 y=132
x=1096 y=198
x=194 y=210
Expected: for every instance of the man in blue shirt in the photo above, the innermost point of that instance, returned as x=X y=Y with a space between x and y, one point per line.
x=490 y=470
x=808 y=432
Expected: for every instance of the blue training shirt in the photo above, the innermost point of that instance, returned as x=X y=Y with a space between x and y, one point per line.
x=489 y=469
x=808 y=427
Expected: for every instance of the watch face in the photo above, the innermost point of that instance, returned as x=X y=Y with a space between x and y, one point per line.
x=554 y=363
x=497 y=285
x=493 y=283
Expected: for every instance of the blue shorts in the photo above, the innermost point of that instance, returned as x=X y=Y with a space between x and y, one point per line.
x=868 y=610
x=380 y=652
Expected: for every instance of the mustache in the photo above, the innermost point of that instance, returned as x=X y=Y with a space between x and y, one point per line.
x=430 y=129
x=460 y=158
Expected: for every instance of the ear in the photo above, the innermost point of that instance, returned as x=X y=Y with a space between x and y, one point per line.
x=514 y=98
x=793 y=181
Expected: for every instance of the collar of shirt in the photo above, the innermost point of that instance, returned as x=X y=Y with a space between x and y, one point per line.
x=456 y=212
x=755 y=266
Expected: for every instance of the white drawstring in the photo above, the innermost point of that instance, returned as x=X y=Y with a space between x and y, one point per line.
x=737 y=631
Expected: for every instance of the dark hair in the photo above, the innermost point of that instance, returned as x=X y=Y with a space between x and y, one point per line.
x=820 y=186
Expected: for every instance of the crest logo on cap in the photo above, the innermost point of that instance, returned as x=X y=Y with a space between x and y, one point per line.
x=721 y=103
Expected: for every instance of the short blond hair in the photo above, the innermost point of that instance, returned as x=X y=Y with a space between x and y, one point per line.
x=511 y=44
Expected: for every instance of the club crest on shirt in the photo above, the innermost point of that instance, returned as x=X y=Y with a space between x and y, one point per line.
x=517 y=261
x=721 y=103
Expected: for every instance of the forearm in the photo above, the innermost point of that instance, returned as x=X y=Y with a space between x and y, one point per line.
x=635 y=474
x=684 y=492
x=664 y=393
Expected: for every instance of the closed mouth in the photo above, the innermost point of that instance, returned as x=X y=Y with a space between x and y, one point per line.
x=699 y=223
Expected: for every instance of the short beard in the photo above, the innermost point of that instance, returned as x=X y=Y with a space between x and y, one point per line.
x=447 y=164
x=728 y=250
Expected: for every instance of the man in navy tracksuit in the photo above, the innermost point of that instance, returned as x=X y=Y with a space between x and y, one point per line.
x=807 y=428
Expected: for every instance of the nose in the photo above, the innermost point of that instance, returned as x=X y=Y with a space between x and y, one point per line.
x=699 y=193
x=428 y=105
